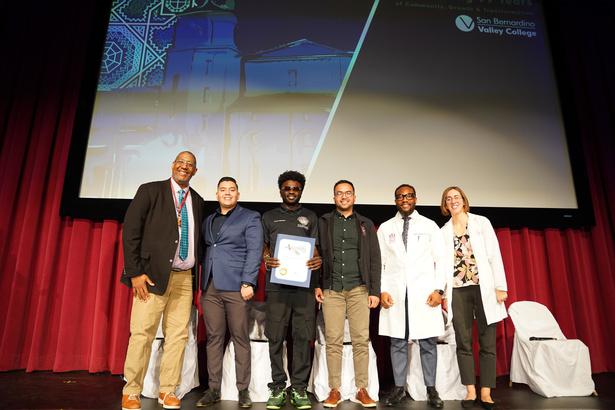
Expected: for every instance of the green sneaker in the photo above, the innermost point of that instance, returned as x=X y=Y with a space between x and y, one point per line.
x=277 y=399
x=300 y=399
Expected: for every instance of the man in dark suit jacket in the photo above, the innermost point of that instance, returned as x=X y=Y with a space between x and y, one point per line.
x=233 y=239
x=161 y=239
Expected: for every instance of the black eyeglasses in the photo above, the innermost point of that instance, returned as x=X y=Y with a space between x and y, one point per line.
x=187 y=164
x=410 y=195
x=291 y=188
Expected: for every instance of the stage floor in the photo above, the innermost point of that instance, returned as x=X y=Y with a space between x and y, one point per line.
x=82 y=390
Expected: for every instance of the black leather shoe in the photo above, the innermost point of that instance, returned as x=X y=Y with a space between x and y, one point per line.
x=433 y=398
x=396 y=396
x=210 y=397
x=487 y=406
x=468 y=404
x=244 y=399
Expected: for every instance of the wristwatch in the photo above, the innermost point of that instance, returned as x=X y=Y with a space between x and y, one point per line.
x=246 y=285
x=440 y=291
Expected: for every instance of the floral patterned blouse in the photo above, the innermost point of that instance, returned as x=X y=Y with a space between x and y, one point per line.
x=466 y=271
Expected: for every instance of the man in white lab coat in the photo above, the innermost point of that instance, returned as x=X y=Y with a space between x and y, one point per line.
x=413 y=280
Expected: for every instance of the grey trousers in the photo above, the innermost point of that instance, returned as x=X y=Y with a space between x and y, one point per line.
x=399 y=357
x=429 y=360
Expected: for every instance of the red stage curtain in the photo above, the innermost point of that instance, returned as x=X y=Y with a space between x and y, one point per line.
x=62 y=306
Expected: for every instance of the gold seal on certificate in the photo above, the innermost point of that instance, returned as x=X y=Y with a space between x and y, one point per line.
x=293 y=252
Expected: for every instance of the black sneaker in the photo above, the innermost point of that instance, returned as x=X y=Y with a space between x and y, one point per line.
x=210 y=397
x=433 y=398
x=396 y=396
x=244 y=399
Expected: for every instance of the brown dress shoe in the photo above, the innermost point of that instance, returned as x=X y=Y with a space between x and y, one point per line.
x=335 y=398
x=131 y=402
x=169 y=401
x=364 y=399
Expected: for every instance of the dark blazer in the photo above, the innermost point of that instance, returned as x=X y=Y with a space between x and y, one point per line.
x=150 y=236
x=369 y=252
x=235 y=255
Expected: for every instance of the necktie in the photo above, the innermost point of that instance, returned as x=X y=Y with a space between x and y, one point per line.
x=404 y=234
x=183 y=238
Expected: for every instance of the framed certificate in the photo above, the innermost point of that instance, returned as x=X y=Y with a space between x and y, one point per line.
x=293 y=252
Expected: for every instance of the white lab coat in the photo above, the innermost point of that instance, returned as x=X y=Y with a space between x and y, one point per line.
x=488 y=260
x=417 y=273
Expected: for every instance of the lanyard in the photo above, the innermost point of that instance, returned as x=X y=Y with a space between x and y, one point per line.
x=179 y=208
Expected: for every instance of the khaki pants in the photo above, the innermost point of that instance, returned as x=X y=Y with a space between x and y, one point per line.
x=336 y=307
x=175 y=304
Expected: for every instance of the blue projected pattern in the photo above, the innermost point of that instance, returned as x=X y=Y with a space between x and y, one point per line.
x=112 y=57
x=139 y=34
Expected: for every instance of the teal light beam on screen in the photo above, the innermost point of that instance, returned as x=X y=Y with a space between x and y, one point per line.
x=340 y=92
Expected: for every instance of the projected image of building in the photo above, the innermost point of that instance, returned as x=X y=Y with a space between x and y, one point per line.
x=248 y=114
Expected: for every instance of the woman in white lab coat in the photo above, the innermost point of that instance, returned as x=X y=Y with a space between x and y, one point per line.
x=477 y=290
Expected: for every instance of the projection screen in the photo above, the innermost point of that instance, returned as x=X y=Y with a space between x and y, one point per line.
x=432 y=93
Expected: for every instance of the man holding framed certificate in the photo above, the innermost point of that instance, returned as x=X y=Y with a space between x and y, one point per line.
x=290 y=233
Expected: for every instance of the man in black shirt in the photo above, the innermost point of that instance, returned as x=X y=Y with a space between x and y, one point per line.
x=284 y=301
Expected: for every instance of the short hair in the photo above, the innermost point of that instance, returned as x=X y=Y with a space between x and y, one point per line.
x=404 y=186
x=343 y=181
x=186 y=152
x=466 y=202
x=231 y=179
x=291 y=176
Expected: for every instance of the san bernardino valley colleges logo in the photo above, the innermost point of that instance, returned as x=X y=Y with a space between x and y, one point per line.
x=464 y=23
x=497 y=26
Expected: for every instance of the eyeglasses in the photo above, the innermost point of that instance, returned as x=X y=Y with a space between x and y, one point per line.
x=344 y=193
x=451 y=198
x=185 y=163
x=291 y=188
x=410 y=195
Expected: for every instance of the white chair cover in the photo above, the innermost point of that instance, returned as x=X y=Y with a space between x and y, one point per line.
x=551 y=368
x=190 y=369
x=319 y=377
x=260 y=363
x=448 y=380
x=257 y=321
